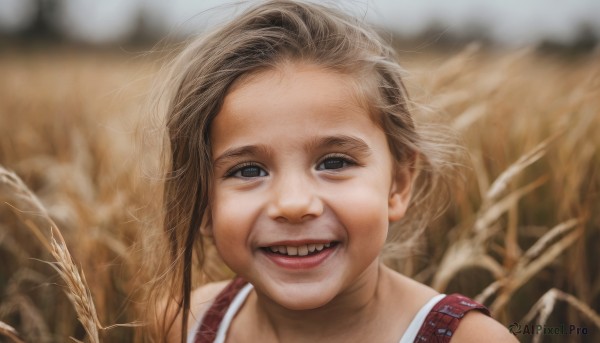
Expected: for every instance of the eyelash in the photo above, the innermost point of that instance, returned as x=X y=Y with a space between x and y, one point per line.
x=344 y=158
x=238 y=168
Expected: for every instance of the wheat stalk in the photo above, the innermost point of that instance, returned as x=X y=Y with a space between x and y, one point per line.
x=491 y=213
x=461 y=254
x=502 y=181
x=78 y=291
x=545 y=305
x=528 y=266
x=10 y=332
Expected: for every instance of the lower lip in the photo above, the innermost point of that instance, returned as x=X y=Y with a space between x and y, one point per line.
x=300 y=262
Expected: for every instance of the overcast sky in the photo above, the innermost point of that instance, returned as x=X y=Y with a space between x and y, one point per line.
x=515 y=22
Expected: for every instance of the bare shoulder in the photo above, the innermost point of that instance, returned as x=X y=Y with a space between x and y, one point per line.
x=202 y=298
x=200 y=301
x=477 y=327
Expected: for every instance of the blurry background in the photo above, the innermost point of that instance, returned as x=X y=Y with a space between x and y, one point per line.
x=518 y=81
x=513 y=22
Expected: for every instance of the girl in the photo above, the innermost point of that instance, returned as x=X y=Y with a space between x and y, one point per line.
x=292 y=150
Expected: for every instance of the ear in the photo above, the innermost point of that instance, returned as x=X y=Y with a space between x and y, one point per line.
x=400 y=192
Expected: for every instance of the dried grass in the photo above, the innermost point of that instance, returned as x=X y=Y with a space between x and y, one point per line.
x=545 y=305
x=519 y=236
x=535 y=159
x=77 y=289
x=10 y=332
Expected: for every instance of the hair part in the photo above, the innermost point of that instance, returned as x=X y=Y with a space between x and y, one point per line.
x=264 y=37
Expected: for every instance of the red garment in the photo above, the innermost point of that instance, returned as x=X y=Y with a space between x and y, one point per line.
x=439 y=325
x=207 y=332
x=443 y=319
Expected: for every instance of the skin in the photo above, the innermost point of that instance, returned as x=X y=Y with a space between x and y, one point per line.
x=297 y=158
x=296 y=199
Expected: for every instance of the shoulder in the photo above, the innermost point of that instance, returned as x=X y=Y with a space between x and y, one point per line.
x=477 y=327
x=200 y=301
x=202 y=298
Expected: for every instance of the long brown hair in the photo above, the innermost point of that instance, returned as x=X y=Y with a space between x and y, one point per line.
x=263 y=37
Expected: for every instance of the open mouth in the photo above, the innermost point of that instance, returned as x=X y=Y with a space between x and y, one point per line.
x=299 y=250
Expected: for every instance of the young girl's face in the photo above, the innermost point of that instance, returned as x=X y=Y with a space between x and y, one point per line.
x=303 y=186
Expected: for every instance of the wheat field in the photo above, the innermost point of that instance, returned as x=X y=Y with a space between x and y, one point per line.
x=78 y=181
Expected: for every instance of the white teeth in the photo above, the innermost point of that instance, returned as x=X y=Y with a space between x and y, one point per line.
x=300 y=250
x=292 y=251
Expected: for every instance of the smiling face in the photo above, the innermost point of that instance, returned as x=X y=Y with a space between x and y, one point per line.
x=303 y=187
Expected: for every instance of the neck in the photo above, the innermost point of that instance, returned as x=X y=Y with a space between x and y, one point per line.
x=358 y=304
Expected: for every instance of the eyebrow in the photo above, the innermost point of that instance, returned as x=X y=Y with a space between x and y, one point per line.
x=345 y=142
x=246 y=150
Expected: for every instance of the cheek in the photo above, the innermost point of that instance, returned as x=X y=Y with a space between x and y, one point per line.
x=230 y=234
x=231 y=222
x=363 y=209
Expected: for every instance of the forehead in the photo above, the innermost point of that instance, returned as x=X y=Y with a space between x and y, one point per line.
x=289 y=82
x=287 y=97
x=288 y=106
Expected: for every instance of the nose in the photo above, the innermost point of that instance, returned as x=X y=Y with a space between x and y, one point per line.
x=295 y=200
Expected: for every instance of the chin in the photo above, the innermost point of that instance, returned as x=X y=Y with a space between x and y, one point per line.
x=303 y=302
x=301 y=297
